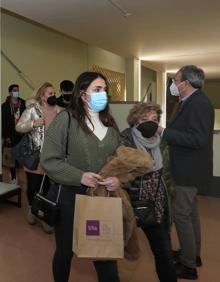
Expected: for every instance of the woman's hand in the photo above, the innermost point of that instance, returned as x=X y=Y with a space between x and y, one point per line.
x=38 y=122
x=111 y=183
x=90 y=179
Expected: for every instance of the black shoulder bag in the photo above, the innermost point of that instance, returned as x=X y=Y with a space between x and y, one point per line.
x=25 y=153
x=43 y=207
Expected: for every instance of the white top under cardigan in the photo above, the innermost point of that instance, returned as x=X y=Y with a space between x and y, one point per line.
x=99 y=129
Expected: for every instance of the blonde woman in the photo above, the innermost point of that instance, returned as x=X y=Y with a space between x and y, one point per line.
x=35 y=120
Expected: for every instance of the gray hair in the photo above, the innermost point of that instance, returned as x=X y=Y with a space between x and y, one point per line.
x=193 y=74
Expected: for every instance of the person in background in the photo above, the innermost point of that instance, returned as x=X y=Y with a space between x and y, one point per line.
x=35 y=120
x=142 y=134
x=93 y=137
x=12 y=109
x=66 y=90
x=190 y=138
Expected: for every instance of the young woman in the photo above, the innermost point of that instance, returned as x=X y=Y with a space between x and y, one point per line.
x=142 y=134
x=93 y=137
x=35 y=120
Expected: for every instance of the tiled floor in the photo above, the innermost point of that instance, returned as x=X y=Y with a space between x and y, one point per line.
x=26 y=251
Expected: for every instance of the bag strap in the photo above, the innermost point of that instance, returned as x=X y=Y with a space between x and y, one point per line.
x=67 y=135
x=66 y=154
x=42 y=183
x=41 y=188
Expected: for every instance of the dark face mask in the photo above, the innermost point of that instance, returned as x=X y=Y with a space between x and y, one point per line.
x=67 y=97
x=148 y=128
x=52 y=100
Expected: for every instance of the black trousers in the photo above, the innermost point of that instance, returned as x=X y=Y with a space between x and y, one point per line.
x=33 y=185
x=159 y=239
x=107 y=271
x=13 y=172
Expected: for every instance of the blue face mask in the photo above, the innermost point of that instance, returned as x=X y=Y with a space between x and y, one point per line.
x=98 y=101
x=15 y=94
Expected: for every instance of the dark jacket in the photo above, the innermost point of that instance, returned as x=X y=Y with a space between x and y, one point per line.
x=168 y=185
x=127 y=140
x=61 y=102
x=8 y=121
x=190 y=139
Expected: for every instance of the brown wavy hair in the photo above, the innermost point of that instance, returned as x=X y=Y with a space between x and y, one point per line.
x=141 y=108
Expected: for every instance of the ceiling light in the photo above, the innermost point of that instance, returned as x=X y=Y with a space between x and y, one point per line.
x=120 y=8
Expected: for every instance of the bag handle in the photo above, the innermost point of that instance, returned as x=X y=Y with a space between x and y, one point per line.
x=66 y=154
x=93 y=189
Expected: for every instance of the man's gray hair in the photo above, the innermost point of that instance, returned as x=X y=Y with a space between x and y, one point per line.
x=193 y=74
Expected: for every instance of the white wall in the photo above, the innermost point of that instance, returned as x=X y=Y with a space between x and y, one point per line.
x=46 y=55
x=217 y=119
x=43 y=55
x=216 y=155
x=120 y=112
x=105 y=59
x=212 y=90
x=148 y=82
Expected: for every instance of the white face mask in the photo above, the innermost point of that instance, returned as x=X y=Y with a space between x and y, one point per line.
x=174 y=90
x=15 y=94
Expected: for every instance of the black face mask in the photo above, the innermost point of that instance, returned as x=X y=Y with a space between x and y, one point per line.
x=148 y=128
x=67 y=97
x=52 y=100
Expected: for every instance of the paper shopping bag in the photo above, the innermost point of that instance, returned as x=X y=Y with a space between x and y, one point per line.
x=98 y=227
x=7 y=158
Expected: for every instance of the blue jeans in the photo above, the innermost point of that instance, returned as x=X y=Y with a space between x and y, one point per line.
x=159 y=239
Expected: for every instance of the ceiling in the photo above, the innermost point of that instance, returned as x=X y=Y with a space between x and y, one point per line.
x=166 y=34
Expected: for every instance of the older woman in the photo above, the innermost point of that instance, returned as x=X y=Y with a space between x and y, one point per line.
x=35 y=120
x=142 y=134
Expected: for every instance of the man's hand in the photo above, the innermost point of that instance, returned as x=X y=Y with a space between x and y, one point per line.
x=160 y=129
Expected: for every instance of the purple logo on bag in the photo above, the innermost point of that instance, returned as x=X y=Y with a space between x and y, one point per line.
x=92 y=228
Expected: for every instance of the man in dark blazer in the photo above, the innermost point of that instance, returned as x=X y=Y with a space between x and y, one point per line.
x=190 y=139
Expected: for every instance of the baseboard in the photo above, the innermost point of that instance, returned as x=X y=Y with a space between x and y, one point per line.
x=213 y=190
